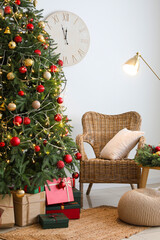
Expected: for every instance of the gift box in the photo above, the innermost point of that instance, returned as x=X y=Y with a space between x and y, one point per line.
x=59 y=195
x=37 y=190
x=28 y=208
x=71 y=210
x=77 y=196
x=58 y=220
x=6 y=211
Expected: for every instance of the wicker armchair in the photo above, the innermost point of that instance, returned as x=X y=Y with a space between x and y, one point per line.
x=98 y=129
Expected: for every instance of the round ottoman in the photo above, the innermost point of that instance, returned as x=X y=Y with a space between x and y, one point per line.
x=140 y=207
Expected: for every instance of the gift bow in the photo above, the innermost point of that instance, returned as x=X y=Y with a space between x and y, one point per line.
x=53 y=216
x=68 y=184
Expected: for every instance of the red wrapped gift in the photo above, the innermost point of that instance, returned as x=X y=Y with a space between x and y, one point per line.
x=71 y=210
x=59 y=195
x=73 y=182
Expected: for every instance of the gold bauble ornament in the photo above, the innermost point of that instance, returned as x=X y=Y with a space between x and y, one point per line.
x=47 y=75
x=41 y=38
x=20 y=193
x=12 y=45
x=10 y=76
x=11 y=106
x=7 y=30
x=2 y=107
x=28 y=62
x=35 y=3
x=1 y=115
x=36 y=104
x=1 y=12
x=41 y=24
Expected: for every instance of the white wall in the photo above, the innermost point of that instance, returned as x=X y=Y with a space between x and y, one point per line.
x=118 y=29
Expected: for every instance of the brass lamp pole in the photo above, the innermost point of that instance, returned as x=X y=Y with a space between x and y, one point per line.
x=131 y=67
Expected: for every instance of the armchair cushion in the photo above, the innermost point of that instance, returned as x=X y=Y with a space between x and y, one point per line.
x=121 y=144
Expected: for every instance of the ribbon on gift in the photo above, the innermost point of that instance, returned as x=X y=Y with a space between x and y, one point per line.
x=68 y=184
x=53 y=216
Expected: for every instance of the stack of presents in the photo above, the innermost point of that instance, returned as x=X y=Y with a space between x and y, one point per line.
x=52 y=206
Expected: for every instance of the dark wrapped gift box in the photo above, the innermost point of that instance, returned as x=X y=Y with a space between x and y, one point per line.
x=71 y=210
x=57 y=220
x=37 y=190
x=77 y=195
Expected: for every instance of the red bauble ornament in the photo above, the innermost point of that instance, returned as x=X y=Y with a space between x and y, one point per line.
x=30 y=26
x=78 y=156
x=18 y=2
x=75 y=175
x=18 y=39
x=40 y=88
x=26 y=121
x=68 y=158
x=31 y=20
x=53 y=68
x=45 y=142
x=58 y=117
x=60 y=164
x=7 y=10
x=60 y=100
x=21 y=93
x=157 y=149
x=61 y=185
x=23 y=69
x=17 y=120
x=60 y=62
x=37 y=51
x=67 y=119
x=37 y=148
x=46 y=46
x=15 y=141
x=2 y=144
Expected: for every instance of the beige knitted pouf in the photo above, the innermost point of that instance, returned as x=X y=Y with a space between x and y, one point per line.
x=140 y=207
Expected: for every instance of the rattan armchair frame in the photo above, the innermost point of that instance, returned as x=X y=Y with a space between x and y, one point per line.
x=98 y=129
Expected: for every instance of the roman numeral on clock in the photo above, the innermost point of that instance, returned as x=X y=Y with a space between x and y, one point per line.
x=81 y=52
x=65 y=17
x=56 y=19
x=65 y=60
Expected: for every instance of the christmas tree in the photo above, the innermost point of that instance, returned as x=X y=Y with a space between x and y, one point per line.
x=35 y=141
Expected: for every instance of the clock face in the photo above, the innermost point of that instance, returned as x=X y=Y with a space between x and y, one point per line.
x=71 y=34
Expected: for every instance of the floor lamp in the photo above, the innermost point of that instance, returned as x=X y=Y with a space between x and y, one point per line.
x=131 y=67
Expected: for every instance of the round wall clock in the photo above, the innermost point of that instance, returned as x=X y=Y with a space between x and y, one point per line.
x=71 y=34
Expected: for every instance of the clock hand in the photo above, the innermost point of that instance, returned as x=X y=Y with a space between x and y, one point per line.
x=66 y=37
x=63 y=32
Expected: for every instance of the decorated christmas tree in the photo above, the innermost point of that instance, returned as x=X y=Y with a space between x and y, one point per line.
x=35 y=141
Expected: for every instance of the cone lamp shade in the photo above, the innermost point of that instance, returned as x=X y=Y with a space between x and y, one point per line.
x=131 y=67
